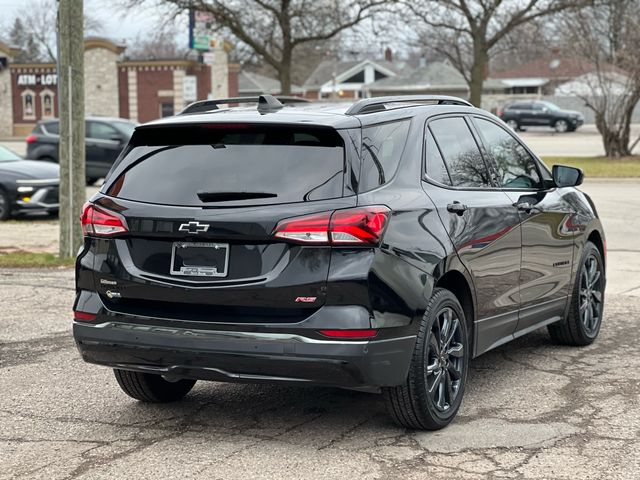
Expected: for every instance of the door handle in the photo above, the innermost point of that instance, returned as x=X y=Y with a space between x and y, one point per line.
x=457 y=207
x=526 y=207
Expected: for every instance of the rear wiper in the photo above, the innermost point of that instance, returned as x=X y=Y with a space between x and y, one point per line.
x=230 y=196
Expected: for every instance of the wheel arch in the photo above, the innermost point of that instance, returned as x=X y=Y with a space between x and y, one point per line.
x=457 y=283
x=597 y=239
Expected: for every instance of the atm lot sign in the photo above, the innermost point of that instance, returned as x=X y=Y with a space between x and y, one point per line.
x=30 y=79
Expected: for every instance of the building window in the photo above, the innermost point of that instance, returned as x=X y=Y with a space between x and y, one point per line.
x=166 y=109
x=46 y=97
x=28 y=105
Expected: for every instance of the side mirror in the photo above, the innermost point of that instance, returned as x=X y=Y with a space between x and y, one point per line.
x=564 y=176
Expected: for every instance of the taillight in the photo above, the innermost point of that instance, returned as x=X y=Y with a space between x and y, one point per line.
x=101 y=223
x=350 y=334
x=352 y=226
x=306 y=229
x=31 y=139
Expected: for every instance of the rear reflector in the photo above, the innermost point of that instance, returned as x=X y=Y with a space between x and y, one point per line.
x=31 y=139
x=83 y=316
x=101 y=223
x=354 y=226
x=351 y=334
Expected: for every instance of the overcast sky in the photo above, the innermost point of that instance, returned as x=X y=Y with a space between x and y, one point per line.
x=118 y=25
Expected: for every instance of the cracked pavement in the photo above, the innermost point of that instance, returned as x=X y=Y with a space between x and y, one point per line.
x=532 y=410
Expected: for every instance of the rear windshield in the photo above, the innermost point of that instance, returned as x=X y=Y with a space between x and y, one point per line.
x=52 y=127
x=209 y=165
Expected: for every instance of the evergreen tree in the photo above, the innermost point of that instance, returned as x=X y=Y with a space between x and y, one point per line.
x=20 y=37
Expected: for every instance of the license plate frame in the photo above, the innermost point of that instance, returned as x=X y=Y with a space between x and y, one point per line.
x=199 y=270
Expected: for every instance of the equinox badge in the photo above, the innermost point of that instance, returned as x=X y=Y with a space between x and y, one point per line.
x=194 y=227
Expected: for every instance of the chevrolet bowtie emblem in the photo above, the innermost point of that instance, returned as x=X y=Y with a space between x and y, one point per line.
x=194 y=227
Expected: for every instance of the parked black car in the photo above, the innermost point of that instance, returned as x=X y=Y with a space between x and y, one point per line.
x=27 y=186
x=377 y=246
x=539 y=113
x=104 y=140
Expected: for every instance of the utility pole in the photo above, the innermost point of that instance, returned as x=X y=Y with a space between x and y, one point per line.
x=71 y=113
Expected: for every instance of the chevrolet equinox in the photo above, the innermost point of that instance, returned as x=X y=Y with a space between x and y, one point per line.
x=376 y=246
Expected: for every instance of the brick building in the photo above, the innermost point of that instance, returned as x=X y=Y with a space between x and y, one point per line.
x=141 y=90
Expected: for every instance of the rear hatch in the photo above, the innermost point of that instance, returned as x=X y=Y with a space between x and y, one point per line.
x=201 y=203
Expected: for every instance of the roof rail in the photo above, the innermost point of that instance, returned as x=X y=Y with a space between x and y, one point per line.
x=266 y=103
x=377 y=104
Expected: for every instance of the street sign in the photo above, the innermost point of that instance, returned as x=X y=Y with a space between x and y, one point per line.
x=201 y=25
x=190 y=88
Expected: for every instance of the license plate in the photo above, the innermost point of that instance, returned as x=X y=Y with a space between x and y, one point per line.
x=200 y=259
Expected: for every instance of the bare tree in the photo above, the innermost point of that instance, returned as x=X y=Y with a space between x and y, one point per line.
x=162 y=43
x=39 y=21
x=466 y=31
x=607 y=37
x=275 y=29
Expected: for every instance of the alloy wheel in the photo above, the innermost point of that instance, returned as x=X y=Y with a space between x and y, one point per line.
x=590 y=295
x=3 y=205
x=513 y=125
x=562 y=126
x=445 y=359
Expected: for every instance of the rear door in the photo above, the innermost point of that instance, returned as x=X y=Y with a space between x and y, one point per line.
x=202 y=202
x=481 y=221
x=103 y=145
x=547 y=236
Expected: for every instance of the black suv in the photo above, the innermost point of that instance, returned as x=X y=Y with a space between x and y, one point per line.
x=376 y=246
x=104 y=140
x=541 y=114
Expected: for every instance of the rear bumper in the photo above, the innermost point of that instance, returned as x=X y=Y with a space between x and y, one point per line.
x=234 y=356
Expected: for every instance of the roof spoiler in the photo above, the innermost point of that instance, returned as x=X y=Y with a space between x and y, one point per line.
x=266 y=103
x=377 y=104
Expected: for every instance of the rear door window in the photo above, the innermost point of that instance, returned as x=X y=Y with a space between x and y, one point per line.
x=460 y=152
x=209 y=165
x=101 y=131
x=52 y=127
x=436 y=169
x=382 y=147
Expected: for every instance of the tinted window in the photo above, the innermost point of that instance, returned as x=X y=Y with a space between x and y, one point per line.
x=520 y=106
x=436 y=169
x=200 y=165
x=382 y=147
x=460 y=152
x=125 y=128
x=515 y=167
x=101 y=130
x=52 y=127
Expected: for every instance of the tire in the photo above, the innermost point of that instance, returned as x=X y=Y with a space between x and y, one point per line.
x=561 y=126
x=151 y=388
x=5 y=205
x=92 y=180
x=583 y=322
x=513 y=124
x=412 y=405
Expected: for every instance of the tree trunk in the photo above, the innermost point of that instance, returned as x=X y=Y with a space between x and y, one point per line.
x=284 y=72
x=72 y=126
x=478 y=70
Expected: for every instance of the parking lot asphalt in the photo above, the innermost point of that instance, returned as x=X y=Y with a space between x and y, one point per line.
x=532 y=410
